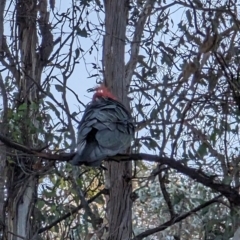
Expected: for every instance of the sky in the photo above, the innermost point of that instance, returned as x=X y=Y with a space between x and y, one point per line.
x=79 y=81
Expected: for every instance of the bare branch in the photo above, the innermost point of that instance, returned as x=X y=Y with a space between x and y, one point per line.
x=2 y=7
x=131 y=65
x=162 y=178
x=70 y=213
x=5 y=100
x=3 y=130
x=209 y=181
x=94 y=219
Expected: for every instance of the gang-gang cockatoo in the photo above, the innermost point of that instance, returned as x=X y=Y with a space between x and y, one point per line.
x=105 y=130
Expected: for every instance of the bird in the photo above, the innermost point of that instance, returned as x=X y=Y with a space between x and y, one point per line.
x=106 y=129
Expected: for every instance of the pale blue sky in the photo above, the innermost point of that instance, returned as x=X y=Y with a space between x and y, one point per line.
x=79 y=81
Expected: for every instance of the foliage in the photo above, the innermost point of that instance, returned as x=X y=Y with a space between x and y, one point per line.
x=185 y=102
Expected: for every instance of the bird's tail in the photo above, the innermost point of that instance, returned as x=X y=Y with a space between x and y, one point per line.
x=79 y=160
x=76 y=161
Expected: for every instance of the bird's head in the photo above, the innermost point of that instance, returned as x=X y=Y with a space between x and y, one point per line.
x=102 y=91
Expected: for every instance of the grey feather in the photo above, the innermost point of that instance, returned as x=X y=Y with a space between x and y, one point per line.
x=105 y=130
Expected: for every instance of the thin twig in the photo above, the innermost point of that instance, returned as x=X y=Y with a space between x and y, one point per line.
x=70 y=213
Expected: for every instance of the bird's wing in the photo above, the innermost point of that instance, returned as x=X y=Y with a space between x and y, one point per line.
x=105 y=130
x=118 y=132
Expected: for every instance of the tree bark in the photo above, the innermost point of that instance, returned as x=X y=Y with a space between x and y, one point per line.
x=119 y=206
x=3 y=156
x=22 y=182
x=2 y=186
x=3 y=129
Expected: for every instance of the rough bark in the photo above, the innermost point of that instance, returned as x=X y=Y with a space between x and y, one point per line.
x=3 y=130
x=119 y=206
x=22 y=186
x=2 y=185
x=22 y=183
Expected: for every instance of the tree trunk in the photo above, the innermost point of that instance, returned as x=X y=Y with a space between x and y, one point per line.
x=119 y=206
x=22 y=182
x=3 y=130
x=3 y=157
x=2 y=187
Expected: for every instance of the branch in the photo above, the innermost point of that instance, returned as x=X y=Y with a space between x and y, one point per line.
x=208 y=181
x=3 y=130
x=95 y=221
x=5 y=101
x=2 y=7
x=36 y=152
x=176 y=219
x=166 y=195
x=196 y=174
x=131 y=65
x=12 y=65
x=214 y=152
x=75 y=210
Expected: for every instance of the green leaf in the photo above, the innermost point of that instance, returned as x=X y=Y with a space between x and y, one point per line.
x=98 y=3
x=227 y=180
x=100 y=200
x=154 y=69
x=202 y=150
x=166 y=59
x=52 y=106
x=189 y=17
x=198 y=3
x=155 y=133
x=150 y=144
x=177 y=198
x=154 y=114
x=85 y=2
x=213 y=137
x=66 y=144
x=77 y=53
x=59 y=88
x=170 y=50
x=82 y=32
x=41 y=204
x=22 y=107
x=74 y=114
x=191 y=156
x=182 y=27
